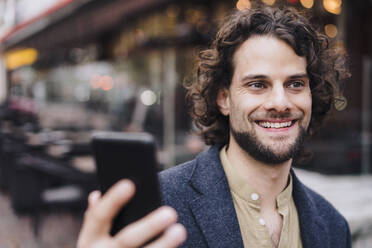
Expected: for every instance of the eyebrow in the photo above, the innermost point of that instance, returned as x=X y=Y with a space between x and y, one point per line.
x=262 y=76
x=302 y=75
x=252 y=76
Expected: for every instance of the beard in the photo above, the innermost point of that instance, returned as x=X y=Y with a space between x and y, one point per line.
x=249 y=142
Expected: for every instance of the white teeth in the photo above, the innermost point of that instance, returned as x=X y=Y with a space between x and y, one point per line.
x=267 y=124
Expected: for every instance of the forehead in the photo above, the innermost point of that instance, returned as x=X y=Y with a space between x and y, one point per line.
x=267 y=55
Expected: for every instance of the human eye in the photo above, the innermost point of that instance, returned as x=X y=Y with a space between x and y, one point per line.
x=296 y=85
x=256 y=85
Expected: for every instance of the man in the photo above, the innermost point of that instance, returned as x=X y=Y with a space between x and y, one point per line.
x=267 y=82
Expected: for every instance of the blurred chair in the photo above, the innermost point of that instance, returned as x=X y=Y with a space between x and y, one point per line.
x=10 y=147
x=40 y=184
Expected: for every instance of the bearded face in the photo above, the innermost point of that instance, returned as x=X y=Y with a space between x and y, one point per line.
x=269 y=99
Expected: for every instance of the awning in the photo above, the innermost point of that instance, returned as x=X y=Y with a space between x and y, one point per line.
x=71 y=23
x=24 y=30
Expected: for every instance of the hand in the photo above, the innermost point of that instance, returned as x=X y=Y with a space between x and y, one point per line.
x=102 y=210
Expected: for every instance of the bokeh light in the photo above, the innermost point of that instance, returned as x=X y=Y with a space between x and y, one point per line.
x=307 y=3
x=106 y=82
x=148 y=97
x=268 y=2
x=330 y=30
x=243 y=4
x=333 y=6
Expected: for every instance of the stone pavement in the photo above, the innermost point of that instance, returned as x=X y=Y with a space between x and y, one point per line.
x=351 y=195
x=56 y=229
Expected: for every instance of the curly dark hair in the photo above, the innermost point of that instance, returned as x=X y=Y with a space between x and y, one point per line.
x=325 y=66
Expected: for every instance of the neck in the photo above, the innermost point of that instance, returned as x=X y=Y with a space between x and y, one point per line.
x=269 y=180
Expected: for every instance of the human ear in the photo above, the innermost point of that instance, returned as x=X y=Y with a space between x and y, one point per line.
x=223 y=101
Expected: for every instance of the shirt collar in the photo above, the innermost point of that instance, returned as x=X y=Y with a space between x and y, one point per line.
x=246 y=191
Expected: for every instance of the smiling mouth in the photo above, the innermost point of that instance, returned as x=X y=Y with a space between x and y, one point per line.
x=275 y=125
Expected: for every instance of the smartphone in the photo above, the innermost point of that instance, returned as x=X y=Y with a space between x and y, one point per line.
x=121 y=155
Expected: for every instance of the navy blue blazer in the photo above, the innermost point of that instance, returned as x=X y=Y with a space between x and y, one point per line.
x=199 y=192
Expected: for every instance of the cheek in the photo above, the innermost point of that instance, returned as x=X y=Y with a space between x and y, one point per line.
x=238 y=110
x=242 y=108
x=309 y=104
x=303 y=100
x=304 y=104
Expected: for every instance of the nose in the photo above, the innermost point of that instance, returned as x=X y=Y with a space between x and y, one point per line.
x=278 y=100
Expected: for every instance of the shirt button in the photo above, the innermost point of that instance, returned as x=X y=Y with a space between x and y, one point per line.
x=262 y=221
x=254 y=196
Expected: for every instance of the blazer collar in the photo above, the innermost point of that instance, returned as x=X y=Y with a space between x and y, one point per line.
x=313 y=229
x=213 y=207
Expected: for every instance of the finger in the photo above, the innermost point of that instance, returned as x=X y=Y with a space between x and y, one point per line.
x=98 y=218
x=172 y=237
x=113 y=200
x=105 y=242
x=140 y=232
x=93 y=198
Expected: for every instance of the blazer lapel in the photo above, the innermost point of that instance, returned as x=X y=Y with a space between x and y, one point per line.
x=213 y=207
x=313 y=230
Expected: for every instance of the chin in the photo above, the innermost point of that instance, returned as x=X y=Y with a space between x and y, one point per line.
x=279 y=148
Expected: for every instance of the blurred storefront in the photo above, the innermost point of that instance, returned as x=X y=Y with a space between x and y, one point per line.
x=113 y=65
x=119 y=65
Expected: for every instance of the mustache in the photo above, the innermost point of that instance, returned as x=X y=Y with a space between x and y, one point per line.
x=276 y=115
